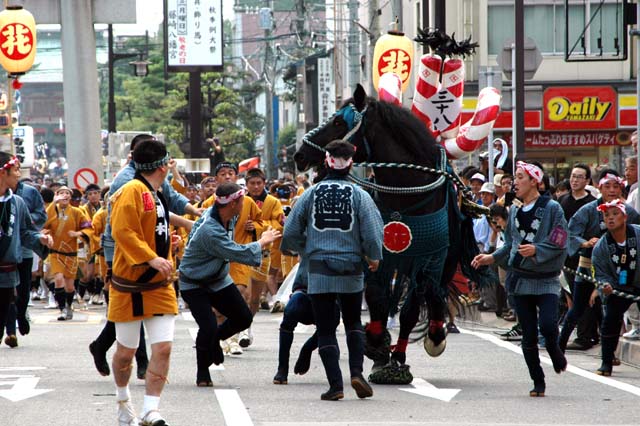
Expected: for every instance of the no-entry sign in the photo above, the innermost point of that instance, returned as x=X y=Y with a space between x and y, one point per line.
x=84 y=177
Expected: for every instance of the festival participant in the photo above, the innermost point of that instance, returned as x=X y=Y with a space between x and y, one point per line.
x=141 y=291
x=273 y=216
x=17 y=231
x=178 y=205
x=585 y=228
x=571 y=203
x=18 y=311
x=534 y=250
x=297 y=311
x=247 y=229
x=615 y=258
x=87 y=280
x=205 y=281
x=337 y=226
x=66 y=224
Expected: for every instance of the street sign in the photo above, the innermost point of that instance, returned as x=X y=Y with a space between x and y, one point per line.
x=84 y=177
x=532 y=58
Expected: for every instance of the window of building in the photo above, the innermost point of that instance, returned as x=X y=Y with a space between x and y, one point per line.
x=544 y=22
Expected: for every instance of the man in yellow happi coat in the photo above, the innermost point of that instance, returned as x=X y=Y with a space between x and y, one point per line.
x=141 y=288
x=248 y=228
x=66 y=224
x=273 y=216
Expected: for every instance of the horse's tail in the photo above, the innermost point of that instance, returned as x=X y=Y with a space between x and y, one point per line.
x=484 y=277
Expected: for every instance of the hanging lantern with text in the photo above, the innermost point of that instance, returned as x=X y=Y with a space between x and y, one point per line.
x=17 y=40
x=393 y=53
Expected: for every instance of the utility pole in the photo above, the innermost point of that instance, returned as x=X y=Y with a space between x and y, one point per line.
x=354 y=46
x=396 y=10
x=300 y=78
x=518 y=75
x=195 y=115
x=440 y=15
x=269 y=88
x=374 y=29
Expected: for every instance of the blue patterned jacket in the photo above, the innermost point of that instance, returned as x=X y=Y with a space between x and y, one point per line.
x=334 y=224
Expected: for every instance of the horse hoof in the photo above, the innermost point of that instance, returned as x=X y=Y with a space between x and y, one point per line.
x=432 y=349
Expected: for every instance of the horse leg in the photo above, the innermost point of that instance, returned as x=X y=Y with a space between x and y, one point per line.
x=409 y=316
x=378 y=338
x=435 y=296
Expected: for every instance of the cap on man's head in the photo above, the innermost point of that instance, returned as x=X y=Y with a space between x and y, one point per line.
x=488 y=187
x=64 y=188
x=226 y=165
x=478 y=176
x=76 y=195
x=484 y=155
x=497 y=178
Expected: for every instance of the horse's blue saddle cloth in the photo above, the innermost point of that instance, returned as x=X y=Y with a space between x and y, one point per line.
x=429 y=232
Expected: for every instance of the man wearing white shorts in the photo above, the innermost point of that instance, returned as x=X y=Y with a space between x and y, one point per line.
x=141 y=289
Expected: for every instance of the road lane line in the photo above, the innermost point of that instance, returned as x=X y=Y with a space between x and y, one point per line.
x=570 y=368
x=194 y=332
x=233 y=410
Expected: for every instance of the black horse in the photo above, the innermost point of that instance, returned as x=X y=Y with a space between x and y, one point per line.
x=424 y=202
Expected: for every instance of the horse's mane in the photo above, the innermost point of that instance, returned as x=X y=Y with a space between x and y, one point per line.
x=406 y=128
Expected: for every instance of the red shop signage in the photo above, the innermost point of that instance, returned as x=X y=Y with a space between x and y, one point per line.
x=570 y=139
x=579 y=108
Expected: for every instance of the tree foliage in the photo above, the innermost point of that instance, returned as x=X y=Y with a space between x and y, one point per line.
x=149 y=103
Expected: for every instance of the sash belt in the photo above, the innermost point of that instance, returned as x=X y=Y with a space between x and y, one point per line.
x=128 y=286
x=584 y=262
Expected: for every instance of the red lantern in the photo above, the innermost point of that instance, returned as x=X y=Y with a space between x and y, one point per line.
x=17 y=40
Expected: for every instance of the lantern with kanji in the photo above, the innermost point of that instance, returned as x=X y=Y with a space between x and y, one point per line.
x=393 y=53
x=17 y=40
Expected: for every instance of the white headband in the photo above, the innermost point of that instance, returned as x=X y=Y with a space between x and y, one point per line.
x=337 y=163
x=608 y=178
x=226 y=199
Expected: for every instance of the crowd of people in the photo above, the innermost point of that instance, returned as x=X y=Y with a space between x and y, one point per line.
x=152 y=240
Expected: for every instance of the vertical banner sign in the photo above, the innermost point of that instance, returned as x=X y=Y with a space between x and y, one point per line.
x=193 y=35
x=326 y=90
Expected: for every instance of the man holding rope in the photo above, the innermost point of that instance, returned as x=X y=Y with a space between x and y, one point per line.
x=615 y=262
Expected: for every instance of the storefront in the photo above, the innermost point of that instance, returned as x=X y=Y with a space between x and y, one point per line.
x=588 y=124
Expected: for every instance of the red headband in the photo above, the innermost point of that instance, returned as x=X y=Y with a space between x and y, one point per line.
x=9 y=164
x=531 y=169
x=226 y=199
x=617 y=203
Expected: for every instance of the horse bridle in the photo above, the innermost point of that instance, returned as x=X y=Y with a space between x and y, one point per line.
x=356 y=125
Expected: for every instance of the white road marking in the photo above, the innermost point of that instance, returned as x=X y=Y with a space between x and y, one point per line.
x=570 y=368
x=233 y=410
x=424 y=388
x=187 y=316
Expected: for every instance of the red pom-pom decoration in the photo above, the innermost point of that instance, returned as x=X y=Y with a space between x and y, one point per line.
x=16 y=84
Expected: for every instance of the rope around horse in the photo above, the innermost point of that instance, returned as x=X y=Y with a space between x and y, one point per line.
x=410 y=190
x=600 y=284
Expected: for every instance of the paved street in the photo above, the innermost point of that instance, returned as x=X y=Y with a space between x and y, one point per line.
x=484 y=378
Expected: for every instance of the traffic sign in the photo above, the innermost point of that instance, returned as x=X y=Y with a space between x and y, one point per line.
x=84 y=177
x=532 y=58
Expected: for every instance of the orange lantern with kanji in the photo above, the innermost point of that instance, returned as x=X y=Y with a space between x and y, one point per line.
x=393 y=53
x=17 y=40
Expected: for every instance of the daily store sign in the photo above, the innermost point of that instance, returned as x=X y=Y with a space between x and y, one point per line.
x=579 y=108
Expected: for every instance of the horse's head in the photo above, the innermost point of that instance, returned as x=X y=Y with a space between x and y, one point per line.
x=344 y=124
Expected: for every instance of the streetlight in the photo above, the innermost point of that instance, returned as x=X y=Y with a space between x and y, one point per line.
x=140 y=69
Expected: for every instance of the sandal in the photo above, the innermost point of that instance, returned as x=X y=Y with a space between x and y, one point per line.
x=537 y=391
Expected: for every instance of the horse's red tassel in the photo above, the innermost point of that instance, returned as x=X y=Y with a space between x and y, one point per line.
x=375 y=327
